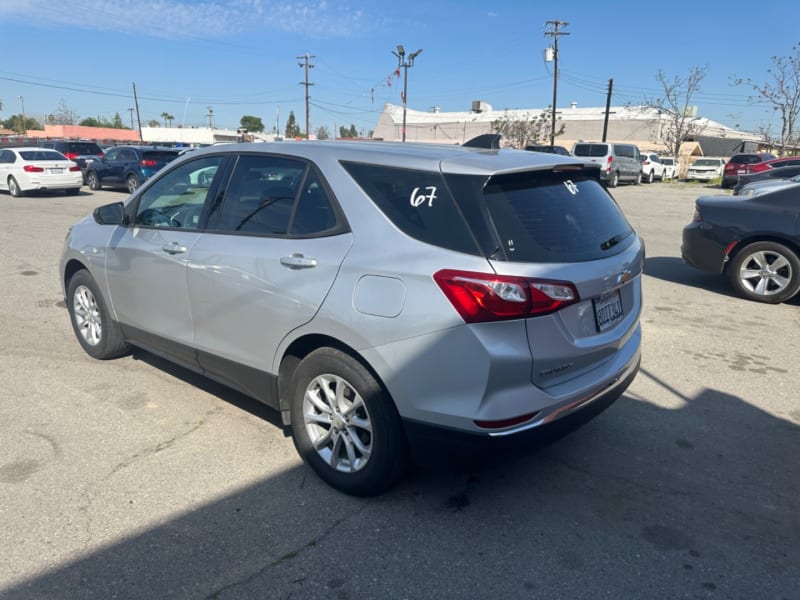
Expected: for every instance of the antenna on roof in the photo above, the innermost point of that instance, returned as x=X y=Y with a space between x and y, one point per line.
x=488 y=141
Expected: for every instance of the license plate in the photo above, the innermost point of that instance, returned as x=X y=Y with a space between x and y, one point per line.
x=56 y=171
x=608 y=310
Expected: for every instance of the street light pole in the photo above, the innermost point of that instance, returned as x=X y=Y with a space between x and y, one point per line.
x=555 y=33
x=24 y=129
x=404 y=63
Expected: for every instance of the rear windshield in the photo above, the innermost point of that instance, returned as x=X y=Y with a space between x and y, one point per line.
x=746 y=159
x=159 y=155
x=707 y=162
x=555 y=217
x=590 y=150
x=42 y=155
x=83 y=148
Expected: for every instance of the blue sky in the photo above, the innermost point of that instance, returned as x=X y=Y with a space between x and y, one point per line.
x=239 y=57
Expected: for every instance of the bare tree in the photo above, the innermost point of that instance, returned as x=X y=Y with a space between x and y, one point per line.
x=64 y=115
x=783 y=93
x=519 y=132
x=323 y=133
x=674 y=105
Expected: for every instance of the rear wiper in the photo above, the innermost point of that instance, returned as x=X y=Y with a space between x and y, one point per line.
x=611 y=242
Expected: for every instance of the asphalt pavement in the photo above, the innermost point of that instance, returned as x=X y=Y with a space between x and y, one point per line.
x=135 y=479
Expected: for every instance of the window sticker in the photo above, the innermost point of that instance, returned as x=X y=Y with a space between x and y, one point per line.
x=418 y=198
x=571 y=187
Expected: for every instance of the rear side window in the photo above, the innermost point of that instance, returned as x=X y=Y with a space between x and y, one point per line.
x=591 y=150
x=417 y=202
x=555 y=217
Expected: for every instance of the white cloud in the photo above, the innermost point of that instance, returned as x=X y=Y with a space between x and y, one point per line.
x=183 y=19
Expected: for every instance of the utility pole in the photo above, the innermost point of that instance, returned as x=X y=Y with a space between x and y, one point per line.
x=210 y=116
x=608 y=109
x=404 y=64
x=138 y=116
x=307 y=66
x=554 y=32
x=130 y=110
x=24 y=128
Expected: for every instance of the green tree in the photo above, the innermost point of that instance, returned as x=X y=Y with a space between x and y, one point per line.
x=14 y=122
x=117 y=122
x=350 y=132
x=252 y=123
x=519 y=131
x=292 y=128
x=168 y=118
x=323 y=134
x=153 y=123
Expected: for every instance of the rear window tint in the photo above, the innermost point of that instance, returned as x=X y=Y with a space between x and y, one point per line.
x=417 y=202
x=555 y=217
x=42 y=155
x=592 y=150
x=159 y=155
x=83 y=148
x=746 y=159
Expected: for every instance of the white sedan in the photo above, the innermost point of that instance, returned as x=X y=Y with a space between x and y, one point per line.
x=29 y=168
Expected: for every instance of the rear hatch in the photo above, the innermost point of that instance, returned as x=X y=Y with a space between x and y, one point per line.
x=563 y=233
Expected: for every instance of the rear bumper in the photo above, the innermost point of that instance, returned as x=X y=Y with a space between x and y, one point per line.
x=433 y=445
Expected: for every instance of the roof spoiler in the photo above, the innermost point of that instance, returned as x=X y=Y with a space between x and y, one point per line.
x=488 y=141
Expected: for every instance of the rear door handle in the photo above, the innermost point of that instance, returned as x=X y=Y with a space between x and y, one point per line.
x=174 y=248
x=298 y=261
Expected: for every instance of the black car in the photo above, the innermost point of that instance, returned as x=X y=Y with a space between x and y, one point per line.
x=79 y=152
x=128 y=166
x=547 y=148
x=754 y=241
x=779 y=173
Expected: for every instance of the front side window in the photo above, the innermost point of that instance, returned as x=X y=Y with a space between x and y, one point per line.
x=176 y=200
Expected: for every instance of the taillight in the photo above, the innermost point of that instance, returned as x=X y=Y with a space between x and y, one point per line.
x=32 y=169
x=147 y=163
x=484 y=297
x=70 y=155
x=74 y=168
x=608 y=163
x=698 y=216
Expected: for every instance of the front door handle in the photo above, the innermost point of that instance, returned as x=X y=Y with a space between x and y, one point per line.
x=174 y=248
x=298 y=261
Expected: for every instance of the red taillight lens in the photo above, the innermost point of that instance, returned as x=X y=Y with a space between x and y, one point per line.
x=70 y=155
x=32 y=169
x=74 y=168
x=483 y=297
x=147 y=163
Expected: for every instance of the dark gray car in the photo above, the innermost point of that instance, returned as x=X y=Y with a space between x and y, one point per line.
x=377 y=294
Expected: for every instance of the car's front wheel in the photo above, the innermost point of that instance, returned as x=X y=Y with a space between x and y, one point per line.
x=345 y=425
x=133 y=183
x=766 y=272
x=93 y=181
x=97 y=332
x=14 y=189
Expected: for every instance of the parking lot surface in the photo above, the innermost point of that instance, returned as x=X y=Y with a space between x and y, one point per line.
x=136 y=479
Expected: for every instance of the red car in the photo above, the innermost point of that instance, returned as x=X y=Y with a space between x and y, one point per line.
x=739 y=163
x=786 y=161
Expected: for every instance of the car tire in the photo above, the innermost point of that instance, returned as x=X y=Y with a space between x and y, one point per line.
x=14 y=189
x=765 y=272
x=638 y=179
x=98 y=334
x=614 y=181
x=93 y=181
x=132 y=183
x=344 y=424
x=650 y=177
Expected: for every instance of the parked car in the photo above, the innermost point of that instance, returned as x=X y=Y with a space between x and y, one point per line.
x=754 y=241
x=775 y=163
x=547 y=148
x=777 y=173
x=128 y=166
x=652 y=168
x=26 y=169
x=705 y=169
x=670 y=167
x=618 y=162
x=739 y=163
x=377 y=295
x=767 y=185
x=81 y=152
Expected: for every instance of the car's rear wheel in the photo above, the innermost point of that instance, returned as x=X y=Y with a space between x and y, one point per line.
x=93 y=181
x=650 y=177
x=133 y=183
x=614 y=181
x=766 y=272
x=14 y=189
x=97 y=332
x=345 y=425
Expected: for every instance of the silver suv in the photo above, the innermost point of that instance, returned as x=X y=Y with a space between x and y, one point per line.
x=377 y=294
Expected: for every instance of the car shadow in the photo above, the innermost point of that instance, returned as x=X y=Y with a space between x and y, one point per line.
x=675 y=270
x=665 y=488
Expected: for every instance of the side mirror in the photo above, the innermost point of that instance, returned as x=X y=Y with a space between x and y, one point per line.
x=110 y=214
